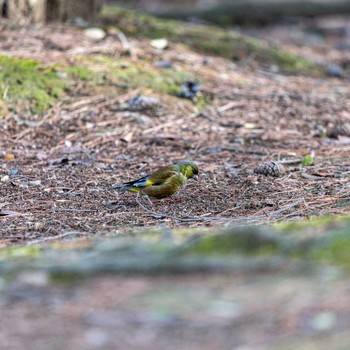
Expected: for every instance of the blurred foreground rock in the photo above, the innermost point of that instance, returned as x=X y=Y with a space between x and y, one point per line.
x=244 y=249
x=251 y=287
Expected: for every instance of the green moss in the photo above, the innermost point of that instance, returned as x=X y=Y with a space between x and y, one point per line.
x=201 y=101
x=141 y=75
x=26 y=86
x=207 y=39
x=325 y=239
x=80 y=72
x=296 y=226
x=19 y=252
x=335 y=250
x=242 y=240
x=67 y=277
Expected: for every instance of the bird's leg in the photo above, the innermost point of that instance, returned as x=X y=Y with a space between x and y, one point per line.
x=149 y=201
x=139 y=203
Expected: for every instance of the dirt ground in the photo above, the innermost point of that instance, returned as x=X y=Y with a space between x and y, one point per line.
x=56 y=169
x=65 y=161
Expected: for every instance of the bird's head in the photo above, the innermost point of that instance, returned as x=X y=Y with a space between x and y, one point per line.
x=188 y=168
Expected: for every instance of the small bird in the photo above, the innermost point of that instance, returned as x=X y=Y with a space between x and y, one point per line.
x=162 y=183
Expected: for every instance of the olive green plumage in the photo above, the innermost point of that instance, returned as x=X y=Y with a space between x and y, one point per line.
x=164 y=182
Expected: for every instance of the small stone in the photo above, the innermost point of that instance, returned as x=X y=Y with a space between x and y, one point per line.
x=160 y=44
x=324 y=321
x=35 y=183
x=95 y=33
x=68 y=143
x=39 y=225
x=12 y=172
x=250 y=125
x=61 y=74
x=41 y=155
x=5 y=178
x=333 y=70
x=90 y=125
x=163 y=64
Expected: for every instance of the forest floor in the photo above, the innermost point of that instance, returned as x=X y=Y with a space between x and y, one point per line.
x=57 y=166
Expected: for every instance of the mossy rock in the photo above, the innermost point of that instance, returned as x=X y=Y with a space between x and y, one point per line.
x=244 y=249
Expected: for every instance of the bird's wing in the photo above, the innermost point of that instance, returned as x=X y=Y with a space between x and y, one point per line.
x=161 y=176
x=165 y=187
x=157 y=178
x=142 y=182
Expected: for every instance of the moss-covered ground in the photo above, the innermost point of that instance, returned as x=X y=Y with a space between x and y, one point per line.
x=26 y=85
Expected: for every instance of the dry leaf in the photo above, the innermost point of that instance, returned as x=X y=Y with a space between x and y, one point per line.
x=9 y=157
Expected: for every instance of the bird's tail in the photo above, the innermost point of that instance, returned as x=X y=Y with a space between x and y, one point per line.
x=133 y=186
x=124 y=188
x=117 y=188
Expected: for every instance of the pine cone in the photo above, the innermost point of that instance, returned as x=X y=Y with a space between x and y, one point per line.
x=339 y=129
x=270 y=169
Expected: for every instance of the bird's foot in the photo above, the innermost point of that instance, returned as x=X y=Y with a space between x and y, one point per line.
x=171 y=200
x=141 y=205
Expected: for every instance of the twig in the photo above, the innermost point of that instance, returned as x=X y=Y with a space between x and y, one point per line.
x=50 y=238
x=311 y=177
x=125 y=44
x=72 y=210
x=230 y=105
x=294 y=204
x=291 y=161
x=6 y=90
